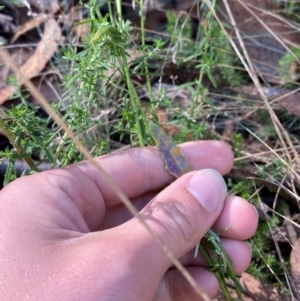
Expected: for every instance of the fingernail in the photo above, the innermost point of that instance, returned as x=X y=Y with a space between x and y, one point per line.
x=209 y=188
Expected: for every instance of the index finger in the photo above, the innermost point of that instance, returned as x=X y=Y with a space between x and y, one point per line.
x=140 y=170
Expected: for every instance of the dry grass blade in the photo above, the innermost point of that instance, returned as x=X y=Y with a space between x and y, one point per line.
x=281 y=132
x=270 y=31
x=249 y=68
x=33 y=23
x=38 y=60
x=278 y=17
x=286 y=274
x=43 y=102
x=284 y=138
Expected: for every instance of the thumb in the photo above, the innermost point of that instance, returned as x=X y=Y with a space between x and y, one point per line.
x=131 y=260
x=180 y=215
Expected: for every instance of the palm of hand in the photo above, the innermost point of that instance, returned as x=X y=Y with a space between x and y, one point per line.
x=52 y=247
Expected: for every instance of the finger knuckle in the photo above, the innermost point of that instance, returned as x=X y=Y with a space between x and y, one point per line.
x=145 y=168
x=178 y=221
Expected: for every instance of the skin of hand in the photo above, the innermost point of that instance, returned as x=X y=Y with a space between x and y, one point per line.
x=66 y=236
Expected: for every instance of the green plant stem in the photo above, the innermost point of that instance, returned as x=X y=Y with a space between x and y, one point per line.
x=238 y=287
x=59 y=148
x=221 y=279
x=140 y=118
x=148 y=82
x=203 y=69
x=11 y=137
x=119 y=10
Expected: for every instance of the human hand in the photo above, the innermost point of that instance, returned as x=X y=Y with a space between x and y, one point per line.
x=66 y=236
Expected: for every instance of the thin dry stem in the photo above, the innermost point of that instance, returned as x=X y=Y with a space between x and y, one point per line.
x=270 y=31
x=289 y=283
x=279 y=128
x=278 y=17
x=251 y=71
x=255 y=80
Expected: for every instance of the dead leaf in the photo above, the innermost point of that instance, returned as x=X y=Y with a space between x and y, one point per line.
x=21 y=3
x=7 y=24
x=171 y=129
x=82 y=30
x=255 y=290
x=6 y=92
x=295 y=266
x=154 y=20
x=289 y=100
x=33 y=23
x=19 y=55
x=45 y=50
x=285 y=193
x=50 y=6
x=50 y=87
x=43 y=53
x=262 y=43
x=291 y=103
